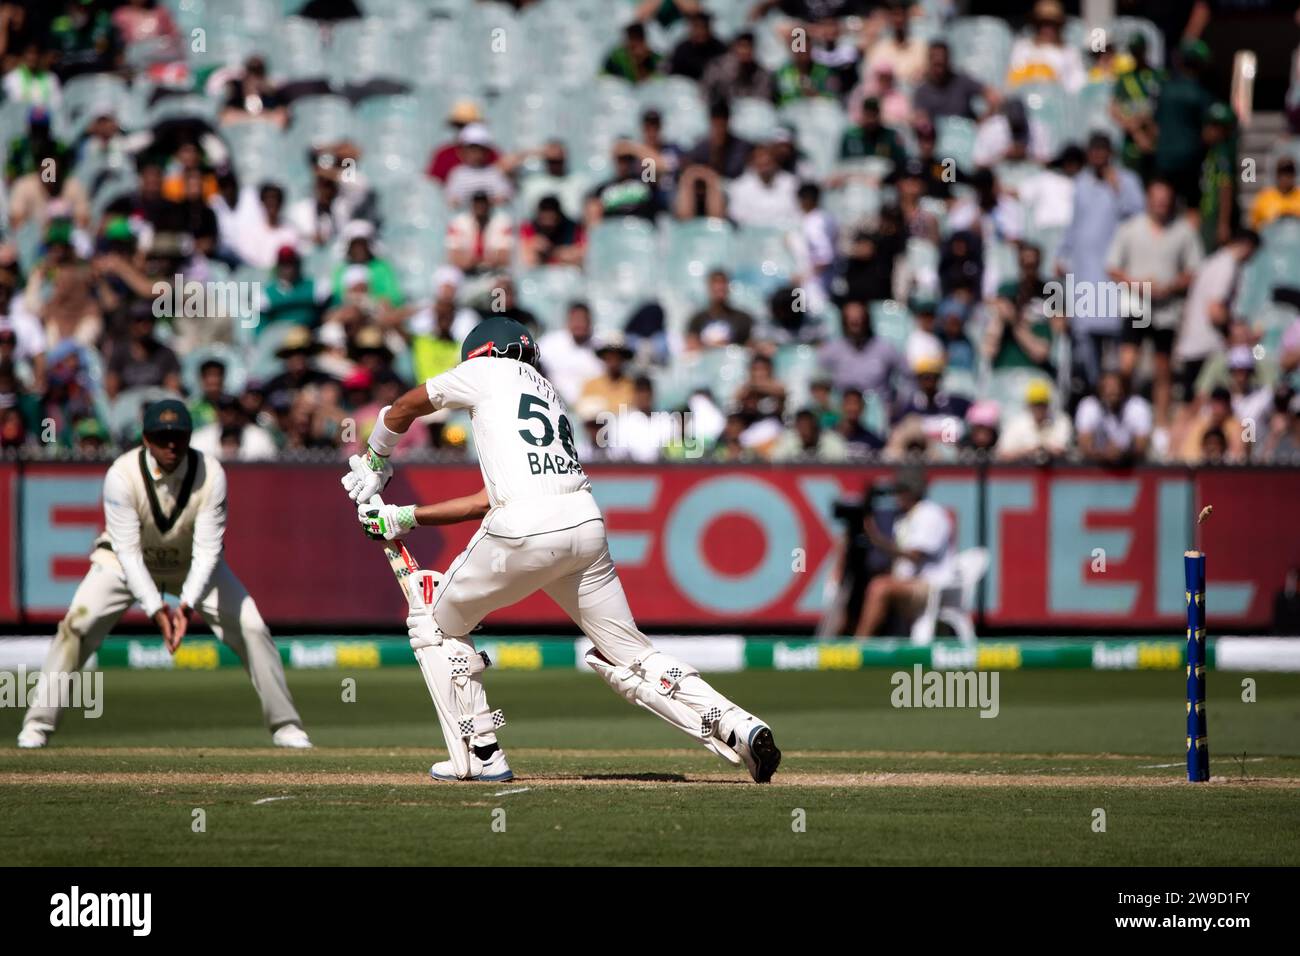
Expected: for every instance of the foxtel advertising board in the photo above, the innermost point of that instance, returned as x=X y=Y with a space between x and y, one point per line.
x=719 y=547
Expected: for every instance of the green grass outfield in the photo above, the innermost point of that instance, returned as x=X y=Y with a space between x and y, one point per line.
x=600 y=782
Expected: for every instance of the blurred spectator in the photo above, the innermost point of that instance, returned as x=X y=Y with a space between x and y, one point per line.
x=937 y=413
x=737 y=74
x=1219 y=176
x=626 y=194
x=1043 y=57
x=450 y=155
x=435 y=348
x=148 y=32
x=637 y=432
x=699 y=49
x=60 y=291
x=295 y=352
x=1132 y=106
x=358 y=237
x=22 y=339
x=766 y=195
x=1250 y=401
x=90 y=438
x=553 y=178
x=1019 y=332
x=918 y=220
x=633 y=61
x=83 y=39
x=835 y=50
x=1047 y=195
x=923 y=339
x=860 y=360
x=857 y=437
x=868 y=271
x=896 y=52
x=1282 y=444
x=1104 y=197
x=501 y=301
x=881 y=84
x=807 y=440
x=719 y=323
x=50 y=192
x=481 y=239
x=1038 y=432
x=1204 y=327
x=1279 y=200
x=1180 y=115
x=26 y=152
x=819 y=232
x=1162 y=251
x=384 y=389
x=982 y=422
x=613 y=387
x=946 y=92
x=143 y=361
x=261 y=229
x=230 y=436
x=289 y=296
x=212 y=386
x=551 y=238
x=443 y=313
x=1113 y=427
x=720 y=150
x=1215 y=418
x=321 y=218
x=762 y=392
x=568 y=356
x=476 y=172
x=1008 y=135
x=867 y=137
x=803 y=78
x=31 y=81
x=1286 y=604
x=250 y=96
x=665 y=157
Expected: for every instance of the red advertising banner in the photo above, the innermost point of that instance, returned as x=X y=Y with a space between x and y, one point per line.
x=719 y=547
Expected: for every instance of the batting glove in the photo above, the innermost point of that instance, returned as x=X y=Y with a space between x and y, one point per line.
x=386 y=522
x=368 y=475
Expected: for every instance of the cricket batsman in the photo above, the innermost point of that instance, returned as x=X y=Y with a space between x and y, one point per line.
x=541 y=530
x=165 y=518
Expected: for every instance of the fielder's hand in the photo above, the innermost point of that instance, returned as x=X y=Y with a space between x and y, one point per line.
x=386 y=522
x=369 y=475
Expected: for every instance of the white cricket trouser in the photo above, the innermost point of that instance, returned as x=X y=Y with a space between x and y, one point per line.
x=103 y=597
x=572 y=565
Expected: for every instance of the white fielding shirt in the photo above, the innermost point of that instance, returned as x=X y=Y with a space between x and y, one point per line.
x=524 y=440
x=191 y=548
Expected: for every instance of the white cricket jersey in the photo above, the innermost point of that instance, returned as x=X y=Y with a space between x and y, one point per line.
x=524 y=440
x=188 y=548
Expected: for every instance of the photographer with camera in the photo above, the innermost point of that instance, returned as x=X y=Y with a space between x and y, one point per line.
x=920 y=550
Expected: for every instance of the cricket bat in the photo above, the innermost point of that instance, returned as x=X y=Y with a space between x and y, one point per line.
x=403 y=563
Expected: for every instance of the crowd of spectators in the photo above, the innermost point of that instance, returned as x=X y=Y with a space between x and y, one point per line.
x=937 y=298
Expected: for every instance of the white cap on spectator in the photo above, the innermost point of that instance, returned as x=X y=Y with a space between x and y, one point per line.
x=1240 y=356
x=332 y=336
x=475 y=134
x=358 y=229
x=447 y=275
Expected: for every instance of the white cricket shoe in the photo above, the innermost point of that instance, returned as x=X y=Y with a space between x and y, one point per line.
x=757 y=747
x=493 y=770
x=291 y=736
x=32 y=738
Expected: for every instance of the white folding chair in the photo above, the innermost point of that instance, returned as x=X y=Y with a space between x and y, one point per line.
x=953 y=604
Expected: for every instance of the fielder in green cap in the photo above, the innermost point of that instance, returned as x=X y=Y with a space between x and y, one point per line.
x=165 y=523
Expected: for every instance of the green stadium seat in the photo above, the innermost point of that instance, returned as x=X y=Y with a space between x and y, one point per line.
x=819 y=124
x=956 y=139
x=753 y=119
x=762 y=259
x=547 y=291
x=125 y=412
x=623 y=256
x=692 y=249
x=891 y=321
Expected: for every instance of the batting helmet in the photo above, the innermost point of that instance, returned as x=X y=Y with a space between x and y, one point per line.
x=500 y=337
